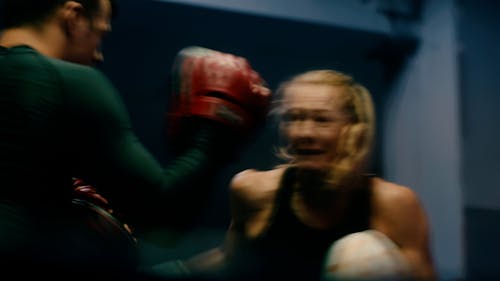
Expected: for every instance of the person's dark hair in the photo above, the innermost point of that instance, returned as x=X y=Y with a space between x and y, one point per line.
x=21 y=12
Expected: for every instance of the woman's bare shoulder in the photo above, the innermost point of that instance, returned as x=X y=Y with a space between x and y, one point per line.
x=394 y=203
x=386 y=192
x=256 y=179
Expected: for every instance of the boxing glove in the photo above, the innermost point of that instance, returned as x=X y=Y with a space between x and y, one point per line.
x=215 y=86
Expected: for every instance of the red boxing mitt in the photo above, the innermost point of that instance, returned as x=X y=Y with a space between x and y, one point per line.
x=83 y=191
x=83 y=194
x=217 y=86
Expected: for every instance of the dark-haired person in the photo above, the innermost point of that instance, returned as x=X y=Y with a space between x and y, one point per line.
x=61 y=119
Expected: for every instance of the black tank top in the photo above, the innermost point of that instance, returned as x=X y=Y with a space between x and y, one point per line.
x=291 y=250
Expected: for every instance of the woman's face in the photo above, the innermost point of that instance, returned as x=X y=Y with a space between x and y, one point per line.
x=312 y=121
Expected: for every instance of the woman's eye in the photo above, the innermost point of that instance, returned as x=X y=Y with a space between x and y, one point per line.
x=290 y=117
x=323 y=119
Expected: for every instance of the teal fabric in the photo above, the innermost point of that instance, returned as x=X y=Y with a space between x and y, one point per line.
x=60 y=120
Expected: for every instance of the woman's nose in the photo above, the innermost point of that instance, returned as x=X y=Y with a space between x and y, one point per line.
x=304 y=128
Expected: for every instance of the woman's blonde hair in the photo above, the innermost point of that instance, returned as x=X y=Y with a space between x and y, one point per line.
x=357 y=137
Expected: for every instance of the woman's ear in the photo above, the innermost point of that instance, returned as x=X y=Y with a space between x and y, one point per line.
x=71 y=16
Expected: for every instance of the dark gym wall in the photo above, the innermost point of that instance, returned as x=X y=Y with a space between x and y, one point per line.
x=478 y=26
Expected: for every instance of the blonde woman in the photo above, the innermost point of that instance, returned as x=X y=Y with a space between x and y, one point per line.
x=321 y=215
